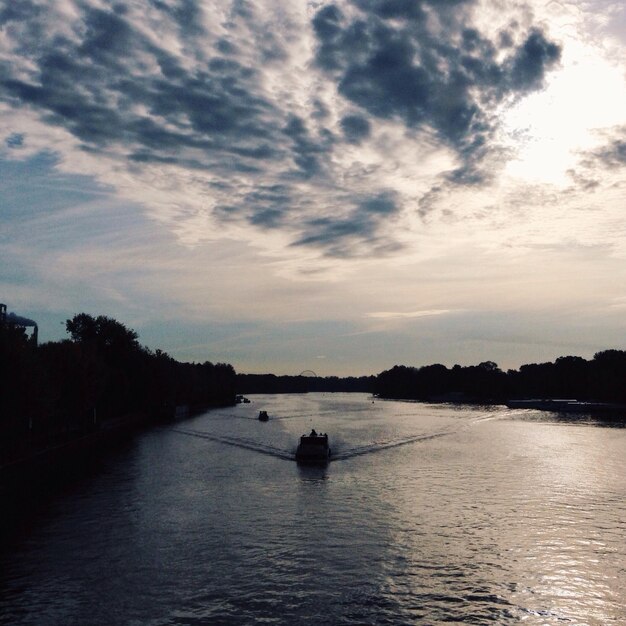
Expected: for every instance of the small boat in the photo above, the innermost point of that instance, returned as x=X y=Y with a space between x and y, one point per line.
x=313 y=448
x=263 y=416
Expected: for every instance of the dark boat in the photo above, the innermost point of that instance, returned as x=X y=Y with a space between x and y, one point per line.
x=313 y=448
x=263 y=416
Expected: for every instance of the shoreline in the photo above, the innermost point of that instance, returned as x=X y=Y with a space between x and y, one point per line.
x=51 y=463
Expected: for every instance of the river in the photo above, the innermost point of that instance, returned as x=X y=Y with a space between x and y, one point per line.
x=427 y=514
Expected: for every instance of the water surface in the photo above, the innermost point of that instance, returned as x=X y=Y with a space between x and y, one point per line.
x=428 y=514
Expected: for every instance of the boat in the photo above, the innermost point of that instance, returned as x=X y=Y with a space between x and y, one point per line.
x=263 y=416
x=313 y=448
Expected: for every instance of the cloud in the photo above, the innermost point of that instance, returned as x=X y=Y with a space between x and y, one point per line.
x=528 y=65
x=255 y=118
x=407 y=314
x=109 y=83
x=355 y=128
x=392 y=62
x=601 y=166
x=15 y=140
x=613 y=154
x=360 y=228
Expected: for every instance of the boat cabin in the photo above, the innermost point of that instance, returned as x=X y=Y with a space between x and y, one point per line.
x=313 y=448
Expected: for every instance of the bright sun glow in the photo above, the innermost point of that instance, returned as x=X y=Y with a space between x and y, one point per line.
x=549 y=128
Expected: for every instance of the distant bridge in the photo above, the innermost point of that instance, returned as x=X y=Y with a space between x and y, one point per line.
x=308 y=373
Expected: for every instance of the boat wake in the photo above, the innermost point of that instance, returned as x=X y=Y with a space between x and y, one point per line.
x=233 y=416
x=239 y=442
x=315 y=415
x=288 y=455
x=488 y=417
x=274 y=418
x=379 y=446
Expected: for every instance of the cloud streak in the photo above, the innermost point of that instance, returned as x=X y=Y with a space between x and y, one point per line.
x=407 y=314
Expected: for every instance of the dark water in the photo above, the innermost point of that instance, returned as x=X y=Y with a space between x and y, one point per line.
x=429 y=514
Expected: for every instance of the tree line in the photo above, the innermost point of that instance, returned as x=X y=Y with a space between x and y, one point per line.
x=601 y=379
x=57 y=391
x=270 y=383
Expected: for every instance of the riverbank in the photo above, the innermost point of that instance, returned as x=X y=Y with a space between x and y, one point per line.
x=63 y=461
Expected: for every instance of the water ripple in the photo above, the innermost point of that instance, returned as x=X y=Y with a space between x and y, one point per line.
x=470 y=517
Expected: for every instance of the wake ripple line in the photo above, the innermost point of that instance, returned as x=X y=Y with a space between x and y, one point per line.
x=379 y=447
x=246 y=440
x=489 y=417
x=302 y=415
x=239 y=443
x=273 y=418
x=232 y=416
x=270 y=450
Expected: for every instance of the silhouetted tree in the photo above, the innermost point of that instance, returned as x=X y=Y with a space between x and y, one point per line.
x=62 y=390
x=21 y=386
x=608 y=375
x=270 y=383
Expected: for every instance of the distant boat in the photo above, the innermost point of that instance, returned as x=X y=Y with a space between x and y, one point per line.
x=263 y=416
x=313 y=448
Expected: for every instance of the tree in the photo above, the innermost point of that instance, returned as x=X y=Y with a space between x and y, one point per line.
x=102 y=332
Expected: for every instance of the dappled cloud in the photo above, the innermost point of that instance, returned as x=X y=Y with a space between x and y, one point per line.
x=331 y=127
x=267 y=181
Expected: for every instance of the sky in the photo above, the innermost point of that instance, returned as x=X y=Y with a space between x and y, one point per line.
x=337 y=187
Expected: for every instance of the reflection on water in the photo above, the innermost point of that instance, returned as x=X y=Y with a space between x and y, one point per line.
x=428 y=514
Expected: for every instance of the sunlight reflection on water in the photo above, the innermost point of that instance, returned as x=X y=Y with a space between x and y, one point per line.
x=427 y=514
